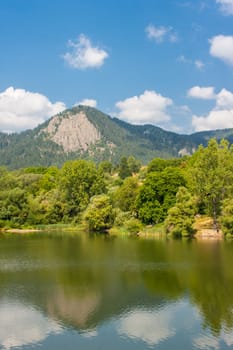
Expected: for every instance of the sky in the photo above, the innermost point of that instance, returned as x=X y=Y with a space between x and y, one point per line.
x=163 y=62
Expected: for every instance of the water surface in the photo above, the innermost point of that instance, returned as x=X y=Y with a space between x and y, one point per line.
x=67 y=291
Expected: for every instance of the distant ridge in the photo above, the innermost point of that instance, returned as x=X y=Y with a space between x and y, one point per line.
x=87 y=133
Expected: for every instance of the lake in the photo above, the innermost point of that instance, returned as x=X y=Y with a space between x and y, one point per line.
x=67 y=291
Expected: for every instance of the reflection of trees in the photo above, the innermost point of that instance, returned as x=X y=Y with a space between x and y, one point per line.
x=211 y=285
x=158 y=274
x=83 y=282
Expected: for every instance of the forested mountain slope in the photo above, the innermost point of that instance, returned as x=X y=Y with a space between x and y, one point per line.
x=85 y=132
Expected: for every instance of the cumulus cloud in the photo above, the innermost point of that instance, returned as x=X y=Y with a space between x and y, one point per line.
x=205 y=93
x=87 y=102
x=159 y=34
x=21 y=109
x=214 y=120
x=226 y=6
x=83 y=54
x=224 y=99
x=150 y=107
x=221 y=46
x=220 y=117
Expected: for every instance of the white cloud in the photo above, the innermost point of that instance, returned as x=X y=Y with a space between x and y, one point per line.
x=183 y=59
x=220 y=117
x=224 y=99
x=199 y=64
x=226 y=6
x=221 y=46
x=204 y=93
x=87 y=102
x=21 y=109
x=83 y=55
x=22 y=326
x=216 y=119
x=159 y=34
x=150 y=107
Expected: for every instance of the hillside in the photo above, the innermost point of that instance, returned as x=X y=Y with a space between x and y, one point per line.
x=85 y=132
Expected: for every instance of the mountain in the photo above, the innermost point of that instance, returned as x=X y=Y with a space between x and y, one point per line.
x=85 y=132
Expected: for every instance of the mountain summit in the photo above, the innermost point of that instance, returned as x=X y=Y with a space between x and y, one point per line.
x=85 y=132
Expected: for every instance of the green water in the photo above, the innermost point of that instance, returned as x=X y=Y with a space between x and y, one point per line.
x=74 y=292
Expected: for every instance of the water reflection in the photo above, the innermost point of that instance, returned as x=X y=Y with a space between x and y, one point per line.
x=155 y=326
x=209 y=341
x=151 y=327
x=21 y=325
x=121 y=292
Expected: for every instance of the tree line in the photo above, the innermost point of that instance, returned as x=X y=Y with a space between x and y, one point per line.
x=169 y=191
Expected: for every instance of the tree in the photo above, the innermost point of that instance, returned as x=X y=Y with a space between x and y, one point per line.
x=133 y=164
x=99 y=214
x=226 y=218
x=181 y=217
x=158 y=194
x=211 y=176
x=13 y=206
x=106 y=167
x=159 y=164
x=124 y=170
x=125 y=196
x=80 y=180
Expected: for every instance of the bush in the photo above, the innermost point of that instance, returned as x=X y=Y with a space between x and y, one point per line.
x=133 y=225
x=99 y=214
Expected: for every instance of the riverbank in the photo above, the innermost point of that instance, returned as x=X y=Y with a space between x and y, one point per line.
x=19 y=230
x=203 y=226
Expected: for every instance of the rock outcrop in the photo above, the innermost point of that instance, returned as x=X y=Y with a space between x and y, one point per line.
x=73 y=133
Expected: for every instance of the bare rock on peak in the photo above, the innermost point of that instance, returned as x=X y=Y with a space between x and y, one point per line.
x=74 y=132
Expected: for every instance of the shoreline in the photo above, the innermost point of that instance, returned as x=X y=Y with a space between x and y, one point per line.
x=19 y=230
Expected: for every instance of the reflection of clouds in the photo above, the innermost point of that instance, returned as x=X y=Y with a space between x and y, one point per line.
x=21 y=325
x=210 y=342
x=90 y=333
x=149 y=326
x=228 y=338
x=206 y=342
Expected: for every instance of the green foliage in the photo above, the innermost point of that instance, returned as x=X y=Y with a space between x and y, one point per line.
x=50 y=179
x=159 y=164
x=124 y=170
x=99 y=214
x=43 y=196
x=13 y=206
x=134 y=165
x=121 y=217
x=80 y=180
x=35 y=149
x=226 y=218
x=158 y=194
x=106 y=167
x=181 y=217
x=210 y=176
x=133 y=225
x=125 y=196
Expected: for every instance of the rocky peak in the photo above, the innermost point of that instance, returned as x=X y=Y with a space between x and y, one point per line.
x=73 y=132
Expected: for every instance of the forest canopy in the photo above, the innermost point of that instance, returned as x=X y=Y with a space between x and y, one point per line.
x=169 y=192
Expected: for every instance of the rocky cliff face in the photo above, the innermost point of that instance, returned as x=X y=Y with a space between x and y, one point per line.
x=74 y=132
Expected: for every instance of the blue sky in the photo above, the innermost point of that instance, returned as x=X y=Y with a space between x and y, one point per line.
x=163 y=62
